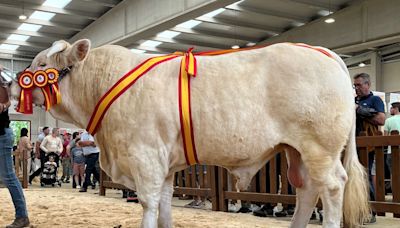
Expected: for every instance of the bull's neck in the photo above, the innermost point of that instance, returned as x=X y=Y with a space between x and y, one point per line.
x=80 y=92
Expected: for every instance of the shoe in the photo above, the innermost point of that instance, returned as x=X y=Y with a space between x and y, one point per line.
x=19 y=223
x=282 y=213
x=78 y=187
x=313 y=216
x=132 y=197
x=185 y=197
x=244 y=210
x=371 y=219
x=199 y=205
x=83 y=190
x=191 y=204
x=290 y=211
x=93 y=186
x=264 y=211
x=67 y=181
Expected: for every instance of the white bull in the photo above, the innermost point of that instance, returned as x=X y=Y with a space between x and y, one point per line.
x=245 y=105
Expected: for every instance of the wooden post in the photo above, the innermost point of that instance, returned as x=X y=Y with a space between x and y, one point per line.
x=380 y=177
x=24 y=170
x=273 y=175
x=102 y=189
x=212 y=174
x=222 y=187
x=396 y=174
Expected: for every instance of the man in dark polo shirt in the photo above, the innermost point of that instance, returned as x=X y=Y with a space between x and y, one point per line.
x=370 y=114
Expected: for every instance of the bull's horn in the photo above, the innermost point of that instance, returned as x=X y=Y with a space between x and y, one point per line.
x=58 y=46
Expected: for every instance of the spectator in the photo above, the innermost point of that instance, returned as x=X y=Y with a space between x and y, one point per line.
x=78 y=159
x=370 y=114
x=52 y=146
x=91 y=152
x=40 y=153
x=66 y=159
x=24 y=151
x=7 y=173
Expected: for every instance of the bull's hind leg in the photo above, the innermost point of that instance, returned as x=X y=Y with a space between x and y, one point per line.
x=164 y=216
x=332 y=195
x=307 y=193
x=329 y=177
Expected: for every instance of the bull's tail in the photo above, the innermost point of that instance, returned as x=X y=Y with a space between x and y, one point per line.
x=355 y=206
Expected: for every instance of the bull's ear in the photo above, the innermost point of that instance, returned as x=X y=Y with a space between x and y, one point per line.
x=79 y=50
x=58 y=46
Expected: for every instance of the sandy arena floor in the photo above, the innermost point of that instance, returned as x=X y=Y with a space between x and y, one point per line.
x=65 y=207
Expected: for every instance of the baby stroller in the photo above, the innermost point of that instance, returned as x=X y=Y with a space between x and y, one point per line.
x=49 y=173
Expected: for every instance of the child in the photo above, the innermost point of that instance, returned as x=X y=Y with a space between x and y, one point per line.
x=50 y=168
x=78 y=162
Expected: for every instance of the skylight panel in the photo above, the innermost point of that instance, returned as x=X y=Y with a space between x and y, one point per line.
x=29 y=27
x=168 y=34
x=189 y=24
x=42 y=15
x=214 y=13
x=11 y=47
x=18 y=37
x=56 y=3
x=151 y=43
x=134 y=50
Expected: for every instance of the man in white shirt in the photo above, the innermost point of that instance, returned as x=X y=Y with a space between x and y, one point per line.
x=91 y=152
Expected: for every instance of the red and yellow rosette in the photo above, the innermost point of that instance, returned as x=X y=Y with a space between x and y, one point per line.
x=52 y=75
x=40 y=79
x=25 y=81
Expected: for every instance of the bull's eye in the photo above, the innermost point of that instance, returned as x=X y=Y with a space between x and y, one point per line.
x=51 y=76
x=42 y=64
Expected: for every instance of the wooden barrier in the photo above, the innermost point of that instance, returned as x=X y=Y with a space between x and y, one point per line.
x=270 y=185
x=377 y=144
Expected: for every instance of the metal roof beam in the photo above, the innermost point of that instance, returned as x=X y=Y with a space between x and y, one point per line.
x=211 y=34
x=317 y=5
x=105 y=3
x=63 y=26
x=125 y=25
x=265 y=12
x=49 y=9
x=268 y=29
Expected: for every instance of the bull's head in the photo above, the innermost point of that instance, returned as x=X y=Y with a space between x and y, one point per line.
x=61 y=55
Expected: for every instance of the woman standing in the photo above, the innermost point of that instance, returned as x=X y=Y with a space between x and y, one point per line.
x=7 y=173
x=24 y=149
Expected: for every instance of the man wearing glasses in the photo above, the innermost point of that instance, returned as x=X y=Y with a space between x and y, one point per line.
x=370 y=114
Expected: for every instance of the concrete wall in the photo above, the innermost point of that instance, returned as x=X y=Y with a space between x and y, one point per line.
x=390 y=76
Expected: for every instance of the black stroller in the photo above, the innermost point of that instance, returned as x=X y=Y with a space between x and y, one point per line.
x=49 y=172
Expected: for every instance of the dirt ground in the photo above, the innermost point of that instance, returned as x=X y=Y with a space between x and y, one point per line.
x=66 y=207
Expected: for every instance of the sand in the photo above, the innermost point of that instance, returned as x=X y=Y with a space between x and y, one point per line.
x=65 y=207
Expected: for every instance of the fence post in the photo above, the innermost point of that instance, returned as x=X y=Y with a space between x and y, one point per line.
x=212 y=174
x=24 y=170
x=395 y=174
x=102 y=188
x=379 y=176
x=222 y=187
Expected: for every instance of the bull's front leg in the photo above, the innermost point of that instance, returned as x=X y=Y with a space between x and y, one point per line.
x=149 y=176
x=164 y=216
